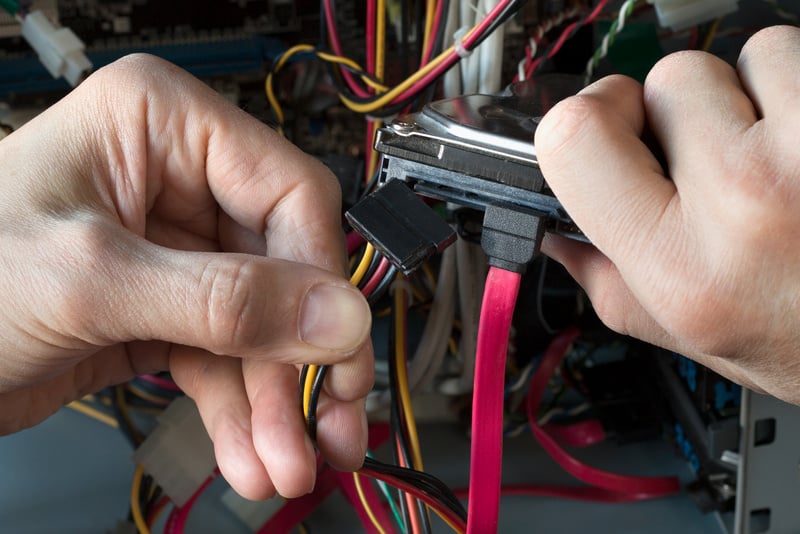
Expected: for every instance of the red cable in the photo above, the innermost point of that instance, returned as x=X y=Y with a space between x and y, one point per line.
x=645 y=487
x=160 y=382
x=582 y=434
x=418 y=493
x=370 y=286
x=371 y=11
x=486 y=455
x=176 y=522
x=437 y=22
x=453 y=57
x=296 y=510
x=337 y=48
x=348 y=486
x=573 y=493
x=565 y=35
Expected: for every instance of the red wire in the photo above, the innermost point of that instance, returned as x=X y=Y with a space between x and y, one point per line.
x=296 y=510
x=383 y=266
x=437 y=22
x=565 y=35
x=486 y=457
x=643 y=487
x=371 y=11
x=418 y=493
x=160 y=382
x=347 y=486
x=176 y=522
x=337 y=48
x=453 y=57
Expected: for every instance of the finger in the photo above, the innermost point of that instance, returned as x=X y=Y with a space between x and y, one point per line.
x=231 y=304
x=620 y=310
x=589 y=150
x=342 y=432
x=769 y=70
x=236 y=238
x=279 y=431
x=215 y=383
x=258 y=178
x=611 y=297
x=353 y=378
x=689 y=96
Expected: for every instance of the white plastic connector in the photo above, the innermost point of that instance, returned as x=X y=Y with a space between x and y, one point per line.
x=59 y=49
x=680 y=14
x=178 y=454
x=252 y=513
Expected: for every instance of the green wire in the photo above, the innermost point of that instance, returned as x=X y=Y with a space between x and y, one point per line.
x=386 y=493
x=11 y=6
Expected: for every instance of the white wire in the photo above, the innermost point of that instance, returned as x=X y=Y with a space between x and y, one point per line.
x=491 y=57
x=602 y=50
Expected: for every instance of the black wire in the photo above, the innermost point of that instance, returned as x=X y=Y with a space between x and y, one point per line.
x=122 y=416
x=424 y=481
x=316 y=391
x=383 y=285
x=371 y=268
x=504 y=15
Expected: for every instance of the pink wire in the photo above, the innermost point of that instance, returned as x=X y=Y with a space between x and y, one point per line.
x=644 y=487
x=337 y=48
x=160 y=382
x=486 y=456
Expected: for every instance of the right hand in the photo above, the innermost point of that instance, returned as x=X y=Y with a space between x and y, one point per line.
x=707 y=262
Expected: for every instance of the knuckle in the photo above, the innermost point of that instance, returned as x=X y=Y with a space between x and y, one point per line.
x=567 y=124
x=767 y=40
x=234 y=305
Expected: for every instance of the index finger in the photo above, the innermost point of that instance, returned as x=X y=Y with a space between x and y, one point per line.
x=591 y=155
x=193 y=152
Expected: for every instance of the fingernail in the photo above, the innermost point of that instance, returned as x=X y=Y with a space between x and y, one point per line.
x=334 y=318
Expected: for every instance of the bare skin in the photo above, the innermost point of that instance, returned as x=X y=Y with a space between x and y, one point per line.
x=149 y=225
x=707 y=262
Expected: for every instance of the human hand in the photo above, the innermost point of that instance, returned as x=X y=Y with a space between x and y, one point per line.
x=136 y=217
x=707 y=263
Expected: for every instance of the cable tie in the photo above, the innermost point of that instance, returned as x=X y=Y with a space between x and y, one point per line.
x=458 y=42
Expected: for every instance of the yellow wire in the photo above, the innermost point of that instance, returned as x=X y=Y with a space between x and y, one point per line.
x=308 y=386
x=366 y=505
x=363 y=265
x=352 y=64
x=361 y=270
x=136 y=509
x=430 y=11
x=94 y=413
x=712 y=32
x=402 y=380
x=380 y=39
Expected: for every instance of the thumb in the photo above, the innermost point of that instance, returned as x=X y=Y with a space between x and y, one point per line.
x=233 y=304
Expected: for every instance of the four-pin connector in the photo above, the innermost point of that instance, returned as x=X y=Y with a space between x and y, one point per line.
x=59 y=49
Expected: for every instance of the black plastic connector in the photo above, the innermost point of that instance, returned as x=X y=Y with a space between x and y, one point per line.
x=400 y=225
x=512 y=236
